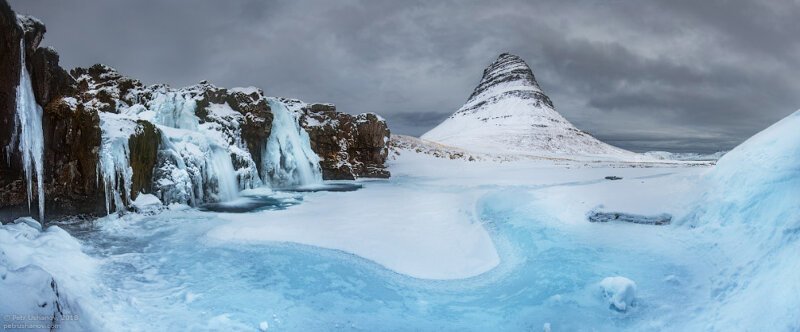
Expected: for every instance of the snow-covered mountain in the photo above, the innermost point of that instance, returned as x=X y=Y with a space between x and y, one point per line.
x=509 y=113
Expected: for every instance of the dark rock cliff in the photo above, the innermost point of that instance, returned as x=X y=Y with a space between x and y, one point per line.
x=349 y=146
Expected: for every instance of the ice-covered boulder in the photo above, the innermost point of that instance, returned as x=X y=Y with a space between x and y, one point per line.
x=619 y=291
x=147 y=203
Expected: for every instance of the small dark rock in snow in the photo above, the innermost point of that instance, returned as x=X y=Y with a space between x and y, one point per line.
x=613 y=178
x=661 y=219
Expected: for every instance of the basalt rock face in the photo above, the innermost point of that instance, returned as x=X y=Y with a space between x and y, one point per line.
x=70 y=136
x=10 y=35
x=108 y=137
x=143 y=144
x=49 y=79
x=350 y=146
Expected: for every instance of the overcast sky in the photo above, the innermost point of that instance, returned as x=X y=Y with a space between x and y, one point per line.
x=643 y=75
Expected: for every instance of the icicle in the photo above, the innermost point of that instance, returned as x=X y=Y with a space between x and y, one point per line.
x=114 y=159
x=28 y=133
x=287 y=157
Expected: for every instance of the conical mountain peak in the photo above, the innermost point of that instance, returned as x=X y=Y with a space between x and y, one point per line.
x=509 y=113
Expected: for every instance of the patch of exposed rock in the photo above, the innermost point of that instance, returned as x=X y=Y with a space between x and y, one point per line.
x=349 y=146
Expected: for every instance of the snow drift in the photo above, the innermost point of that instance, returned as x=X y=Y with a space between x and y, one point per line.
x=751 y=213
x=45 y=273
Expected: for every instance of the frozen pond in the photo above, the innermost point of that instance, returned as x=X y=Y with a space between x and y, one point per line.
x=503 y=257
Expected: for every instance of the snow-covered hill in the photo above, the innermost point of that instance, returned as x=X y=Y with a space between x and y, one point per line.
x=509 y=113
x=664 y=155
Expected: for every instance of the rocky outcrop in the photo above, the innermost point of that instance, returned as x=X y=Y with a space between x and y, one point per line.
x=49 y=79
x=349 y=146
x=10 y=35
x=72 y=137
x=90 y=109
x=600 y=216
x=143 y=145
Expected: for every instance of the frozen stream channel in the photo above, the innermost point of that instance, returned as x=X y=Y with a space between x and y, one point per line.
x=421 y=251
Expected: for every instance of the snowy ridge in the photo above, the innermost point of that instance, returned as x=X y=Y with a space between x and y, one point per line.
x=402 y=144
x=508 y=113
x=664 y=155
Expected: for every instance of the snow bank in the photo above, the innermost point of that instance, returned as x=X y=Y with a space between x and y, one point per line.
x=44 y=276
x=429 y=235
x=620 y=292
x=751 y=215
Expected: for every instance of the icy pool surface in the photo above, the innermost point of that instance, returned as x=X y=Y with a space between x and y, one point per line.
x=175 y=271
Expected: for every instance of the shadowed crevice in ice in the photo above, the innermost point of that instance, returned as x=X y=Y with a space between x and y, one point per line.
x=660 y=219
x=252 y=203
x=332 y=187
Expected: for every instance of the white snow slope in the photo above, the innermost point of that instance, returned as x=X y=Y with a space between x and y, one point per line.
x=751 y=210
x=509 y=113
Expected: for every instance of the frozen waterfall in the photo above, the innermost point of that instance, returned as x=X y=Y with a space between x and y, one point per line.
x=288 y=160
x=28 y=133
x=202 y=160
x=222 y=170
x=114 y=159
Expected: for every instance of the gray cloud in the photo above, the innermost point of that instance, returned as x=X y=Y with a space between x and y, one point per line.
x=673 y=75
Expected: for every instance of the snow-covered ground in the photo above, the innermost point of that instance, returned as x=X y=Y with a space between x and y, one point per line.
x=450 y=244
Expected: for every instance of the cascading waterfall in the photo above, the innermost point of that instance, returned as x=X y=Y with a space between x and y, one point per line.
x=28 y=133
x=223 y=171
x=288 y=160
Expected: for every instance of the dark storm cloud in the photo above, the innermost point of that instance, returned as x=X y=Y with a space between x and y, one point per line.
x=674 y=75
